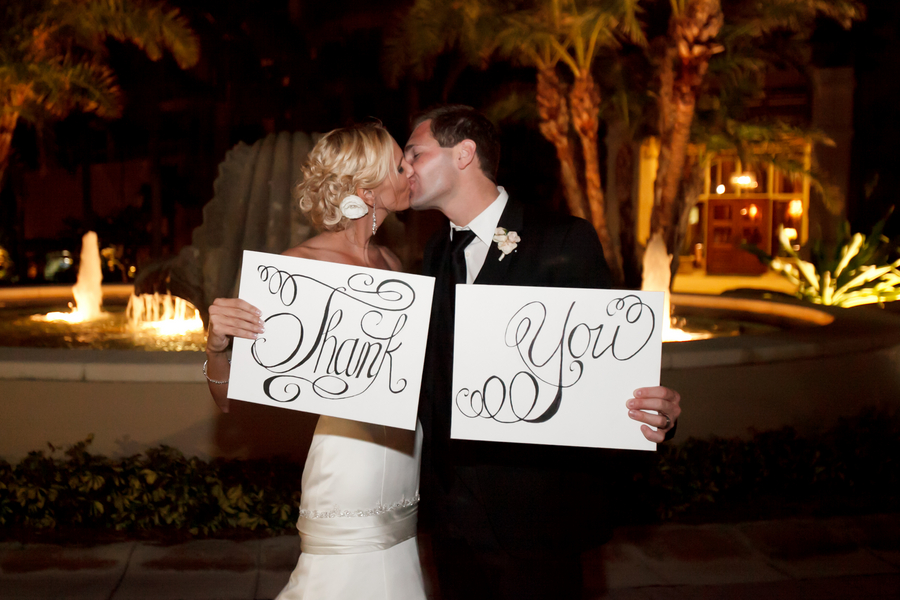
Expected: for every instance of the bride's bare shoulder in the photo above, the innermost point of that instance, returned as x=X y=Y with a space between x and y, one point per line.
x=320 y=247
x=301 y=251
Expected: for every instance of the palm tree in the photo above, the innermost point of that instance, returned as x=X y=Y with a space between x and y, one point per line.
x=690 y=44
x=530 y=37
x=470 y=29
x=591 y=33
x=560 y=32
x=735 y=33
x=53 y=57
x=542 y=35
x=721 y=44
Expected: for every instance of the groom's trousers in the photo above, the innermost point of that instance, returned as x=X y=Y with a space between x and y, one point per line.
x=474 y=562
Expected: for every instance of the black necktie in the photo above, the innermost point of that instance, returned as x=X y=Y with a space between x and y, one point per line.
x=461 y=240
x=441 y=347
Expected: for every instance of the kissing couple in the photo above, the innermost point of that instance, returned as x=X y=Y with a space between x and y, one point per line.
x=507 y=520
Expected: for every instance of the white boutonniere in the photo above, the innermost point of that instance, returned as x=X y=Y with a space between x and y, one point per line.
x=506 y=241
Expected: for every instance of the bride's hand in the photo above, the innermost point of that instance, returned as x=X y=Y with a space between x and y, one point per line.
x=232 y=317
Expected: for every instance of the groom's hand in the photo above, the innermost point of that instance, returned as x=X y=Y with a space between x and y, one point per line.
x=651 y=406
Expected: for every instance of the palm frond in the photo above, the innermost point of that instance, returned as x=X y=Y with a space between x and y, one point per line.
x=757 y=18
x=512 y=102
x=435 y=27
x=90 y=87
x=151 y=26
x=53 y=56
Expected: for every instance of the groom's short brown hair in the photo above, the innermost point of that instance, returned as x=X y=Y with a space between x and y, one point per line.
x=453 y=123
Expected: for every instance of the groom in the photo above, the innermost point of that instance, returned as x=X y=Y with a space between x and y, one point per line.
x=511 y=520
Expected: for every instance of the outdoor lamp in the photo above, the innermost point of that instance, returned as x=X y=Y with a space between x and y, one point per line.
x=745 y=180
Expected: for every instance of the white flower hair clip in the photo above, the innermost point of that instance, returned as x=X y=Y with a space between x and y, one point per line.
x=353 y=207
x=506 y=241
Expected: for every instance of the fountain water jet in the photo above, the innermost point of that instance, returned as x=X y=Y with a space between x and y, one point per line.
x=657 y=277
x=167 y=314
x=87 y=291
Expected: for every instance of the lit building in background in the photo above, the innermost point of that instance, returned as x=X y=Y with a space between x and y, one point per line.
x=747 y=203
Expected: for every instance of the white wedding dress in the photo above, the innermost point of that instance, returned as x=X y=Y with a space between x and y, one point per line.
x=358 y=508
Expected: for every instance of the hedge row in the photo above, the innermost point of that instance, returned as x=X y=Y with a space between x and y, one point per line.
x=851 y=468
x=158 y=490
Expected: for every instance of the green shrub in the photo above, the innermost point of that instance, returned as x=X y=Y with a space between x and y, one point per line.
x=851 y=468
x=160 y=491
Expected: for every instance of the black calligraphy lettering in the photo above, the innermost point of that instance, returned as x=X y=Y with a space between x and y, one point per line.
x=349 y=355
x=325 y=338
x=363 y=357
x=513 y=404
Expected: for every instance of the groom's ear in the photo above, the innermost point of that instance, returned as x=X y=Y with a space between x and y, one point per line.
x=464 y=154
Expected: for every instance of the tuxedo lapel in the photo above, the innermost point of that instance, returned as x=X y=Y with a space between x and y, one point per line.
x=494 y=270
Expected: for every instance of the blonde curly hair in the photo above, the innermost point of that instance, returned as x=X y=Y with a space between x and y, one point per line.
x=343 y=160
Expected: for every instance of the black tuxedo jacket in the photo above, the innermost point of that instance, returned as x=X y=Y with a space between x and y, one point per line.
x=534 y=496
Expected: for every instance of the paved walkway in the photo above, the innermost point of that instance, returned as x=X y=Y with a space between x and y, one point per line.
x=825 y=559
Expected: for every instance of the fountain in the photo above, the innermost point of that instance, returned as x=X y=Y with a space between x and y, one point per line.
x=148 y=322
x=252 y=209
x=62 y=381
x=792 y=370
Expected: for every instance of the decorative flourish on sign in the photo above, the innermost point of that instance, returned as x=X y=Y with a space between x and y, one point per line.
x=352 y=343
x=555 y=360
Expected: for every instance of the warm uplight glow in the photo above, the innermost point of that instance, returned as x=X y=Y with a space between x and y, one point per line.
x=753 y=211
x=795 y=209
x=694 y=216
x=167 y=315
x=790 y=233
x=720 y=189
x=74 y=316
x=744 y=180
x=673 y=334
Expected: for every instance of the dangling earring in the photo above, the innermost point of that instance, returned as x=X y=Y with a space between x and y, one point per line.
x=374 y=223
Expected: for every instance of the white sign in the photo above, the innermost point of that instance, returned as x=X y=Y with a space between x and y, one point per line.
x=340 y=340
x=553 y=366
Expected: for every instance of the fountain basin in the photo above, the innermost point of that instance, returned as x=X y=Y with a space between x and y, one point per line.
x=55 y=294
x=807 y=377
x=22 y=323
x=831 y=363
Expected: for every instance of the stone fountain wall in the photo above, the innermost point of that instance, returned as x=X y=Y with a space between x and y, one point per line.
x=805 y=378
x=252 y=209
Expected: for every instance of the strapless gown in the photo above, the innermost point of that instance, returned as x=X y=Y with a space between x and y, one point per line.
x=358 y=508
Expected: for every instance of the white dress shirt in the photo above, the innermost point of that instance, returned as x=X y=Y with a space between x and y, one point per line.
x=483 y=225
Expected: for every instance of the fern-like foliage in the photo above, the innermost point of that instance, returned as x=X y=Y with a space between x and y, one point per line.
x=858 y=269
x=526 y=32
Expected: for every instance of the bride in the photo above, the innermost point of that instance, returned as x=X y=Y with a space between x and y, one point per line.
x=360 y=486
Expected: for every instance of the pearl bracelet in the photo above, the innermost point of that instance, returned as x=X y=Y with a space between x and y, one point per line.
x=205 y=362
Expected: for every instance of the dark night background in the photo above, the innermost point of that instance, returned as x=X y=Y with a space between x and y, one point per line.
x=275 y=65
